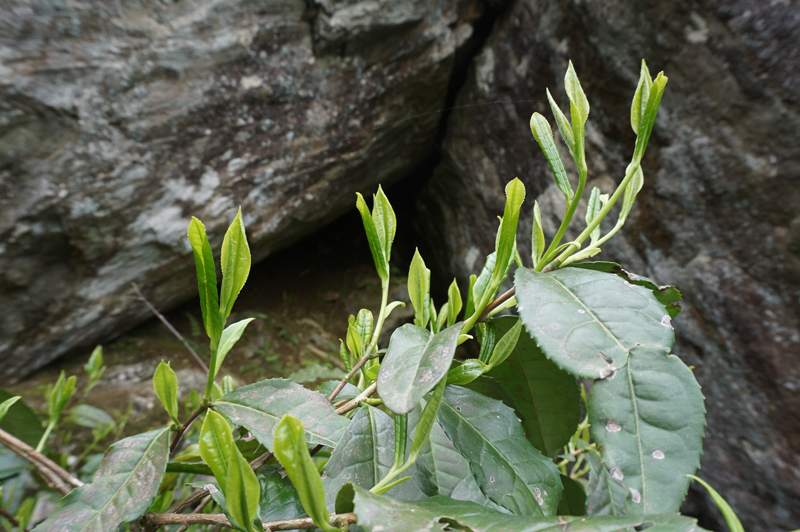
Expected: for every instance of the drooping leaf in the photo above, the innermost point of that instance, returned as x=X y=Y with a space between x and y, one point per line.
x=732 y=520
x=509 y=470
x=260 y=406
x=216 y=445
x=165 y=384
x=230 y=336
x=367 y=457
x=235 y=265
x=122 y=489
x=7 y=404
x=544 y=136
x=668 y=295
x=291 y=450
x=437 y=512
x=242 y=491
x=587 y=321
x=90 y=416
x=649 y=421
x=548 y=397
x=573 y=499
x=419 y=290
x=206 y=278
x=606 y=495
x=385 y=222
x=279 y=499
x=375 y=246
x=415 y=361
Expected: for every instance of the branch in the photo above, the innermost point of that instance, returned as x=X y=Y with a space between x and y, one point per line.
x=496 y=303
x=355 y=402
x=172 y=329
x=56 y=477
x=176 y=440
x=153 y=519
x=8 y=515
x=347 y=377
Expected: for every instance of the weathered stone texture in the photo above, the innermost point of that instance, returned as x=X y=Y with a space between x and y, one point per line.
x=120 y=120
x=719 y=214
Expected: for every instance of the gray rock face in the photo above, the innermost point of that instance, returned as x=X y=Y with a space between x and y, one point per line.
x=719 y=215
x=120 y=120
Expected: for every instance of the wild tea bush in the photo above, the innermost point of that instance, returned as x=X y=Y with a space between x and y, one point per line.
x=413 y=438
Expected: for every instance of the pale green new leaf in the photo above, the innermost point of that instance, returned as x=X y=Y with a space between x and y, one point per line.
x=537 y=235
x=291 y=450
x=122 y=489
x=427 y=419
x=633 y=188
x=734 y=525
x=90 y=417
x=242 y=491
x=437 y=512
x=259 y=407
x=547 y=397
x=593 y=208
x=419 y=290
x=507 y=235
x=165 y=383
x=466 y=372
x=385 y=222
x=587 y=321
x=649 y=422
x=354 y=341
x=563 y=124
x=481 y=284
x=509 y=470
x=230 y=336
x=507 y=343
x=577 y=98
x=235 y=265
x=454 y=303
x=7 y=404
x=206 y=278
x=640 y=97
x=415 y=362
x=375 y=245
x=216 y=445
x=363 y=325
x=648 y=118
x=544 y=136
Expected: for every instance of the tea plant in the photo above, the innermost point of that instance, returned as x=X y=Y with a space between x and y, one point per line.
x=413 y=438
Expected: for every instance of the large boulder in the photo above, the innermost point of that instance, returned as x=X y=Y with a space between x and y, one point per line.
x=120 y=120
x=719 y=214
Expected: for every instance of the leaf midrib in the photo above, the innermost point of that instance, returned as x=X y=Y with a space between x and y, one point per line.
x=125 y=482
x=638 y=429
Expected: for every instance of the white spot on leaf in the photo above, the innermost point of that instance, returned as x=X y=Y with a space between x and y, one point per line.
x=636 y=497
x=613 y=426
x=658 y=454
x=616 y=474
x=666 y=321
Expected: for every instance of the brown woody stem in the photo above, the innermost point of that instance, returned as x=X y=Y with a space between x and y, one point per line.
x=220 y=520
x=55 y=476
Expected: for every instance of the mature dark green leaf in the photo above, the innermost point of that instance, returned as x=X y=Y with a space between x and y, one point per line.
x=649 y=420
x=668 y=295
x=242 y=491
x=606 y=495
x=437 y=512
x=291 y=450
x=587 y=321
x=367 y=457
x=544 y=136
x=229 y=337
x=491 y=388
x=260 y=406
x=279 y=499
x=206 y=278
x=509 y=470
x=415 y=362
x=165 y=384
x=21 y=422
x=235 y=265
x=573 y=499
x=216 y=445
x=122 y=489
x=548 y=397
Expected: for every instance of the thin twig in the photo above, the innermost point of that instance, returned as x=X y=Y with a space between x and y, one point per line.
x=496 y=303
x=327 y=357
x=357 y=400
x=197 y=510
x=172 y=329
x=222 y=521
x=176 y=440
x=8 y=515
x=347 y=377
x=55 y=476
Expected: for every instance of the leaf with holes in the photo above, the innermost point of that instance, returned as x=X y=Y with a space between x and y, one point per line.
x=415 y=362
x=509 y=470
x=367 y=457
x=259 y=407
x=122 y=489
x=587 y=321
x=439 y=512
x=547 y=396
x=649 y=421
